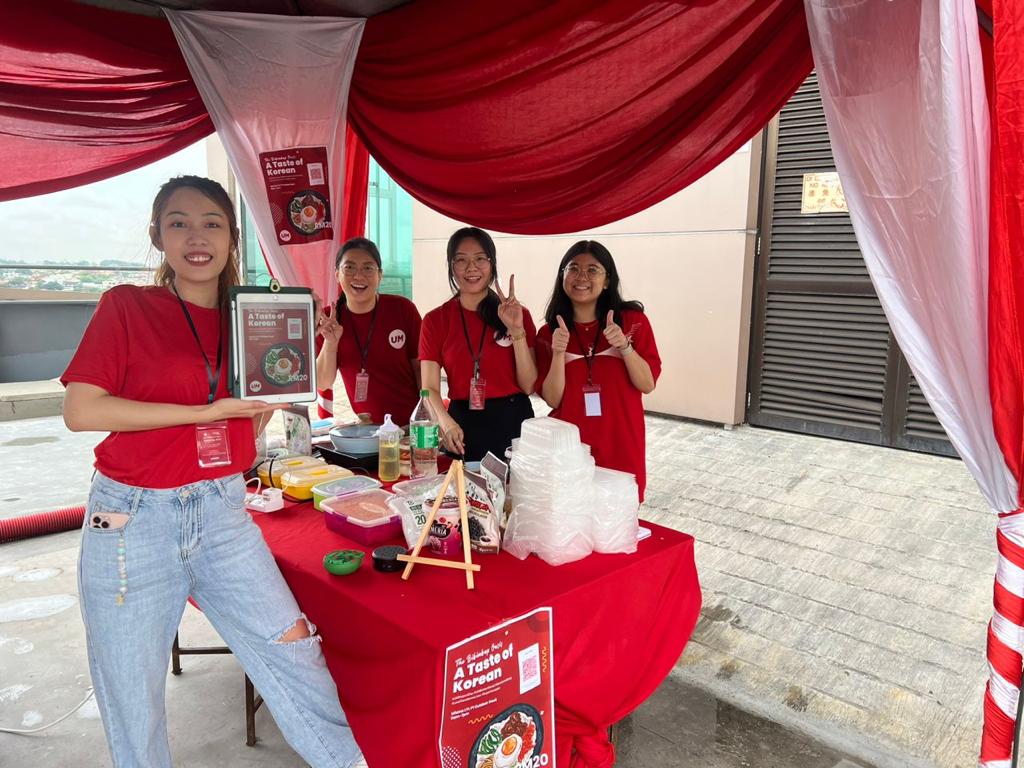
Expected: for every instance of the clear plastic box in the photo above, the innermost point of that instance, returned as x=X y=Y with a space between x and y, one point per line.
x=364 y=517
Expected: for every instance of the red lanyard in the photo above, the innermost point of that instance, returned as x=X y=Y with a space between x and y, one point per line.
x=588 y=355
x=364 y=349
x=469 y=345
x=212 y=375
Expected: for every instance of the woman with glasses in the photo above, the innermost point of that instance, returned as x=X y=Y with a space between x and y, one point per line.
x=372 y=338
x=597 y=357
x=484 y=341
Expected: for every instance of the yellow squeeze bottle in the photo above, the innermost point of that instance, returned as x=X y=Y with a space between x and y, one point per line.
x=389 y=453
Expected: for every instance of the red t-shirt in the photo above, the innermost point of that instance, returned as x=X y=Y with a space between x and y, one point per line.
x=616 y=437
x=139 y=346
x=393 y=344
x=443 y=341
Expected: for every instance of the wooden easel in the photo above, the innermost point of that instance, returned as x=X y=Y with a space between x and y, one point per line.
x=457 y=470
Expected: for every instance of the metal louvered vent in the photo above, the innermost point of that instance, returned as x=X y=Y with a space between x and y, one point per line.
x=823 y=358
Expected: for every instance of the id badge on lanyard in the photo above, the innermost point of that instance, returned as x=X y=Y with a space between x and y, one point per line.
x=592 y=399
x=362 y=386
x=477 y=394
x=213 y=440
x=213 y=444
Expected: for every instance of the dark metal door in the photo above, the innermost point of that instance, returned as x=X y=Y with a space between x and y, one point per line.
x=823 y=359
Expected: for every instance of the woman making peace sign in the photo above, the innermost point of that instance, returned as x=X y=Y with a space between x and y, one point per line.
x=597 y=358
x=484 y=341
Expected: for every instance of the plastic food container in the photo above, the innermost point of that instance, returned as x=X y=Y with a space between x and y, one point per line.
x=299 y=483
x=364 y=517
x=417 y=485
x=271 y=471
x=342 y=487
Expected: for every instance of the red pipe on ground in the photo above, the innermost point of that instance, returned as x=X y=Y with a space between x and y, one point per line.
x=56 y=521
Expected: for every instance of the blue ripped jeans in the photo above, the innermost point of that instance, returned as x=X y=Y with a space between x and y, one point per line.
x=134 y=581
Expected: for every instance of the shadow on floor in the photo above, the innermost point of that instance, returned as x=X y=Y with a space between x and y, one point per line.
x=683 y=727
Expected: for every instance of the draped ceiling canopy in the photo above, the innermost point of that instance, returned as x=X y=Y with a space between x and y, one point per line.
x=533 y=117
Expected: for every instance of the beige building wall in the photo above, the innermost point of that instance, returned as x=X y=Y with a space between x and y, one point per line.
x=689 y=259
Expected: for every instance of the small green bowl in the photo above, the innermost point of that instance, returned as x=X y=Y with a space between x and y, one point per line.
x=343 y=561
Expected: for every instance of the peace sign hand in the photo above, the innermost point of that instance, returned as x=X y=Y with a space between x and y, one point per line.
x=559 y=337
x=329 y=328
x=510 y=311
x=614 y=334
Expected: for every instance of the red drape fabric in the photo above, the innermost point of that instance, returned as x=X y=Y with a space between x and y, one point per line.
x=524 y=116
x=620 y=623
x=1006 y=353
x=86 y=94
x=537 y=117
x=353 y=222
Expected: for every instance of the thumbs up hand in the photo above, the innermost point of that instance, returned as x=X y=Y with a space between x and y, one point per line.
x=614 y=334
x=559 y=338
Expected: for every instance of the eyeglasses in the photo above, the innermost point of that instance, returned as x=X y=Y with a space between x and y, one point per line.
x=367 y=270
x=461 y=263
x=592 y=272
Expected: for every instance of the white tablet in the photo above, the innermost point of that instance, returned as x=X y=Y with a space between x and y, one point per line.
x=273 y=353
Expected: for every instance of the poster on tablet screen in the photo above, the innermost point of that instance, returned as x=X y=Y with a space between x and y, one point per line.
x=498 y=709
x=276 y=349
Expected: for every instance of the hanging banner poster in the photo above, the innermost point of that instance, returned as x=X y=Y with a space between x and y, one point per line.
x=499 y=697
x=300 y=200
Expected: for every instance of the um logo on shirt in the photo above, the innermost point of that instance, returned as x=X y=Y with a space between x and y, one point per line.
x=397 y=338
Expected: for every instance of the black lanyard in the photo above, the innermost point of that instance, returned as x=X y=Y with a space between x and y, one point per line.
x=588 y=356
x=469 y=345
x=211 y=375
x=364 y=349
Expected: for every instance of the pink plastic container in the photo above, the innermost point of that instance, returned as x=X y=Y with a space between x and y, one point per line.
x=364 y=517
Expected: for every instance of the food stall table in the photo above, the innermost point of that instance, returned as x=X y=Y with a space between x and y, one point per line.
x=620 y=623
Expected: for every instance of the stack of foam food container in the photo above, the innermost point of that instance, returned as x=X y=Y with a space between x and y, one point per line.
x=552 y=475
x=563 y=506
x=615 y=511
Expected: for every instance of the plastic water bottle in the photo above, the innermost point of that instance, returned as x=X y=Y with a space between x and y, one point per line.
x=423 y=437
x=388 y=462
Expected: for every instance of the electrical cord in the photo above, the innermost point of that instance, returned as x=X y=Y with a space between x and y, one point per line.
x=27 y=731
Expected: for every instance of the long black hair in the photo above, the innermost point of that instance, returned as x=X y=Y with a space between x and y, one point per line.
x=488 y=308
x=353 y=244
x=609 y=299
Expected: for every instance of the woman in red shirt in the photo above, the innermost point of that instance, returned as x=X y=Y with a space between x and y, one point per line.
x=484 y=341
x=372 y=338
x=597 y=357
x=166 y=517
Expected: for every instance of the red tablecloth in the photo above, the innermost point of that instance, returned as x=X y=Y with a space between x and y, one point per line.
x=620 y=624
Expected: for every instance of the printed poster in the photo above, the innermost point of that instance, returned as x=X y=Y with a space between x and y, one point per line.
x=498 y=709
x=300 y=200
x=822 y=193
x=275 y=345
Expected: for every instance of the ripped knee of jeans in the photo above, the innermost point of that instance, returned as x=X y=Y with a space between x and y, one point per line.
x=301 y=631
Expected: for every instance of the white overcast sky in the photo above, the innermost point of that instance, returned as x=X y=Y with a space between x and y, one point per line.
x=105 y=220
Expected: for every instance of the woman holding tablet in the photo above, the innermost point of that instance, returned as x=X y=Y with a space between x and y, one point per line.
x=166 y=515
x=484 y=341
x=372 y=338
x=597 y=358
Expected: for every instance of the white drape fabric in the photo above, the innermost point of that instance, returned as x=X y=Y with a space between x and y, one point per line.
x=274 y=83
x=904 y=97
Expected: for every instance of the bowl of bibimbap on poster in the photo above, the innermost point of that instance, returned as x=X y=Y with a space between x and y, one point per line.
x=282 y=364
x=510 y=740
x=307 y=212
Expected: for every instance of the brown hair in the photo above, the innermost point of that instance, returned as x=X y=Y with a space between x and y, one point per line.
x=216 y=194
